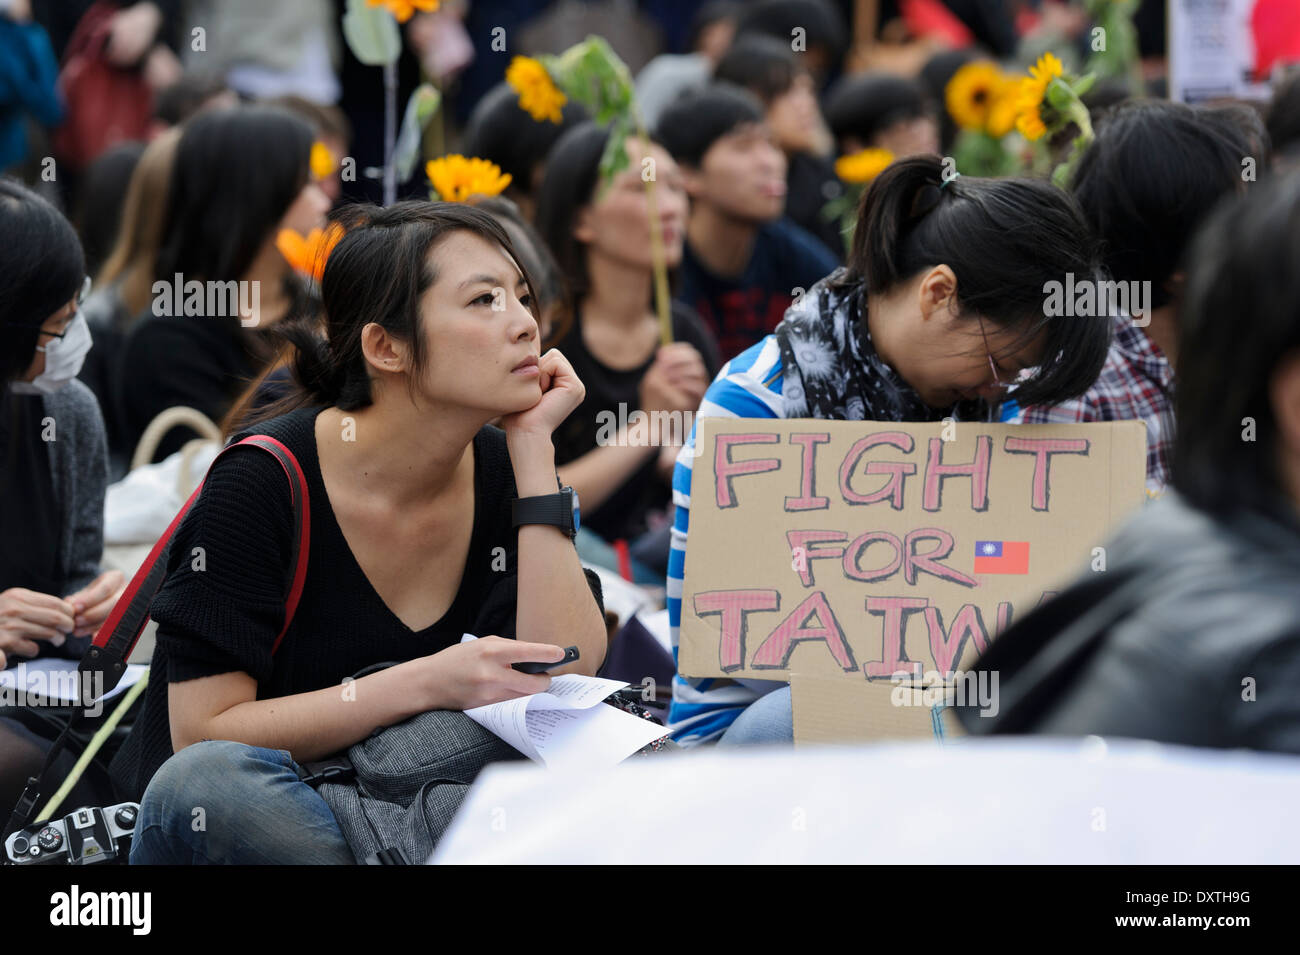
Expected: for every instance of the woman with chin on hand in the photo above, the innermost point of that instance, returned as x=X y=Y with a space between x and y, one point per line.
x=417 y=537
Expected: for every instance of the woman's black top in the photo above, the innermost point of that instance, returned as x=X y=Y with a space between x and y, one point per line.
x=624 y=514
x=30 y=518
x=222 y=604
x=203 y=362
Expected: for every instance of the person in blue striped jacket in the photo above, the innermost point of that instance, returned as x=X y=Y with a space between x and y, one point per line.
x=939 y=311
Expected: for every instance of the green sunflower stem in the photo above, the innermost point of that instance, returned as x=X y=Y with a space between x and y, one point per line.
x=1078 y=113
x=658 y=258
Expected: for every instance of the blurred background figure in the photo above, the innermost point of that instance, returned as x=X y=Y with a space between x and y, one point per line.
x=28 y=74
x=239 y=177
x=881 y=111
x=601 y=239
x=743 y=262
x=123 y=285
x=669 y=75
x=779 y=78
x=500 y=131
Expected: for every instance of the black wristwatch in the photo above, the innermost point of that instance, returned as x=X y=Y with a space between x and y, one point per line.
x=559 y=510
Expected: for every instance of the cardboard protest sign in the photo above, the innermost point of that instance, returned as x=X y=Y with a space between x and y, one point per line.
x=831 y=709
x=866 y=550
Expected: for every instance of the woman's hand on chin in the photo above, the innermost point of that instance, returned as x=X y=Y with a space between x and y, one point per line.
x=561 y=393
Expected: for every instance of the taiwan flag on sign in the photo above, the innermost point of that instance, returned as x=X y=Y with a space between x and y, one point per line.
x=1001 y=557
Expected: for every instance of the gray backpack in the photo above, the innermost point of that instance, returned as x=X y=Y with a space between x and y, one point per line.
x=395 y=793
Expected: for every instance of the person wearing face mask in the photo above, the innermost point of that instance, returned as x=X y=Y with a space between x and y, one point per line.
x=52 y=594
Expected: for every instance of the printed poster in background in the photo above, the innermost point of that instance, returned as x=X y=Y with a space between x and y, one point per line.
x=1228 y=49
x=862 y=550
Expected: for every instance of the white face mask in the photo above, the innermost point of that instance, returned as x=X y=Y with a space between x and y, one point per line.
x=63 y=359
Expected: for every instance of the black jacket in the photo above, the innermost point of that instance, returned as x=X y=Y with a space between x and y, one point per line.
x=1190 y=636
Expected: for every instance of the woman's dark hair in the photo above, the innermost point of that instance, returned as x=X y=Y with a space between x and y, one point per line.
x=41 y=269
x=697 y=119
x=534 y=256
x=235 y=175
x=866 y=104
x=498 y=130
x=1238 y=323
x=377 y=273
x=1005 y=240
x=1152 y=175
x=100 y=200
x=761 y=64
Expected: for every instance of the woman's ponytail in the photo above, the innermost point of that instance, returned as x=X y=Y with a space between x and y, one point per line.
x=899 y=196
x=314 y=367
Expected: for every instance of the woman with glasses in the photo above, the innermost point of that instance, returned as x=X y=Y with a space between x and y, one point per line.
x=940 y=309
x=52 y=595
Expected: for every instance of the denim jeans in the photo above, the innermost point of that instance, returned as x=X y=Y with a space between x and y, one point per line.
x=768 y=719
x=224 y=803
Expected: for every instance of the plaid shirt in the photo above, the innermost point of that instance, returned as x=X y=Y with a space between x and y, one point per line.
x=1135 y=384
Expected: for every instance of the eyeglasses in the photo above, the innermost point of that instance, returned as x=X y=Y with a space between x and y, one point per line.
x=82 y=295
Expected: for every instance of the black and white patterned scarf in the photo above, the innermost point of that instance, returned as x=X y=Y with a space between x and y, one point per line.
x=832 y=370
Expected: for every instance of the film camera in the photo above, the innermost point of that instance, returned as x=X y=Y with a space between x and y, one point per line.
x=82 y=837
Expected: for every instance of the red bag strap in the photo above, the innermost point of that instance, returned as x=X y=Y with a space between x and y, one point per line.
x=119 y=634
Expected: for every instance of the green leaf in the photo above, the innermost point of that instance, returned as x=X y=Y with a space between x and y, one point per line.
x=592 y=74
x=372 y=34
x=614 y=159
x=420 y=108
x=1083 y=84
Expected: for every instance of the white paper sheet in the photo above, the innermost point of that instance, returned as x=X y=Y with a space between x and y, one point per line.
x=54 y=678
x=565 y=727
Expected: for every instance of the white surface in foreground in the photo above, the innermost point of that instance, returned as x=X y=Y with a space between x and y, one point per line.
x=1021 y=800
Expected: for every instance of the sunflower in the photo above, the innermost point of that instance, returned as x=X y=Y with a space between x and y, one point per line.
x=1005 y=108
x=538 y=94
x=403 y=10
x=322 y=161
x=969 y=94
x=308 y=254
x=1030 y=94
x=456 y=178
x=863 y=166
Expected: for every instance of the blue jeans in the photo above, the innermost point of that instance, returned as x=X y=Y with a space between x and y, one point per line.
x=768 y=719
x=224 y=803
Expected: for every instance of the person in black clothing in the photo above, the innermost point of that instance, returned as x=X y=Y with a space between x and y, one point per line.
x=239 y=177
x=411 y=545
x=600 y=238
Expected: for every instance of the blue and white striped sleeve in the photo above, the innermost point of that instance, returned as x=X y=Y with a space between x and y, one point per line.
x=748 y=386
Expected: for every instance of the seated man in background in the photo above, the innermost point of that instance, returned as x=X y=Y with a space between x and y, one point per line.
x=743 y=264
